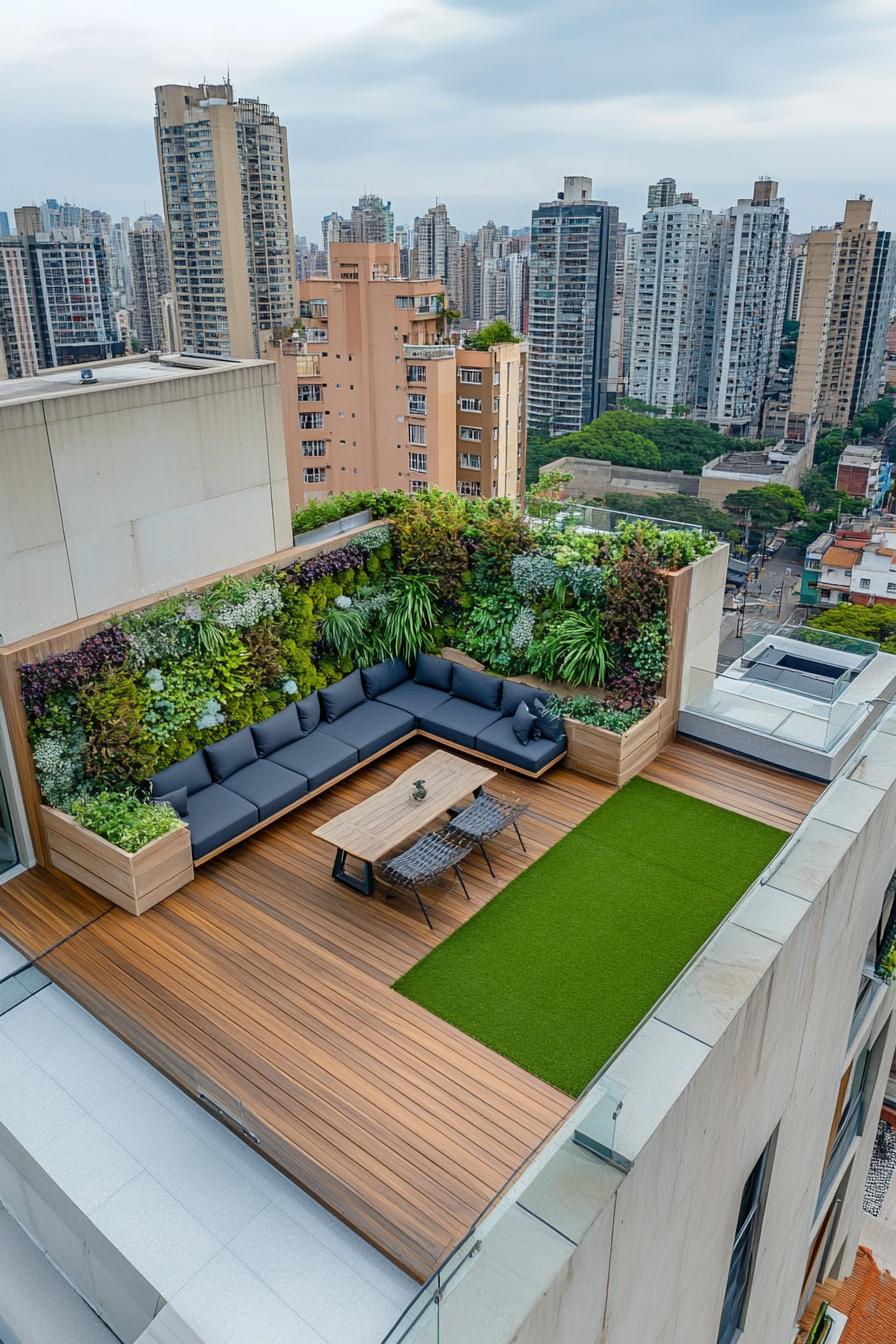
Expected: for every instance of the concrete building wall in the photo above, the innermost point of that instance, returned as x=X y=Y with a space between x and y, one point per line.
x=115 y=492
x=593 y=478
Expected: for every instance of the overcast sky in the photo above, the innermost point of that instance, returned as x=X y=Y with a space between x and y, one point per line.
x=484 y=104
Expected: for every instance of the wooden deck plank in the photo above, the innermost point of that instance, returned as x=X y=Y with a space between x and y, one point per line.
x=267 y=986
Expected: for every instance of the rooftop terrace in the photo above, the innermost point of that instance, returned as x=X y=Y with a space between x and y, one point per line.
x=267 y=991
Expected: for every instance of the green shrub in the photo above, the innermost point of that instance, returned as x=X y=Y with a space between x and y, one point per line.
x=124 y=819
x=585 y=709
x=410 y=615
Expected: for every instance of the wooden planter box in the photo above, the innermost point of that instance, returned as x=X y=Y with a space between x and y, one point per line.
x=615 y=758
x=136 y=882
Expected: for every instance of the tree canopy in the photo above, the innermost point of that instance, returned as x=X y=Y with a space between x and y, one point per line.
x=877 y=623
x=769 y=506
x=679 y=508
x=498 y=332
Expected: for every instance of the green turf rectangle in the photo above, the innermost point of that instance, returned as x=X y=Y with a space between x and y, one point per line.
x=558 y=969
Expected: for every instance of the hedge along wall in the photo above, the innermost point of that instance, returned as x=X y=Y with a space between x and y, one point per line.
x=66 y=639
x=150 y=687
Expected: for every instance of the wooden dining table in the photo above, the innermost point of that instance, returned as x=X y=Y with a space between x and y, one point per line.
x=370 y=830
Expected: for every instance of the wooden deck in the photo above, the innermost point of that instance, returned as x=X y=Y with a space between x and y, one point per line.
x=265 y=987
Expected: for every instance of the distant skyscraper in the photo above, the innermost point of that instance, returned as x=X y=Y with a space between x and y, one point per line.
x=847 y=299
x=661 y=193
x=225 y=186
x=149 y=264
x=796 y=267
x=746 y=292
x=372 y=220
x=437 y=251
x=19 y=350
x=670 y=307
x=335 y=229
x=570 y=307
x=5 y=230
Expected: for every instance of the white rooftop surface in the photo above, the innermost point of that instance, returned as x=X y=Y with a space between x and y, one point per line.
x=110 y=373
x=37 y=1305
x=240 y=1253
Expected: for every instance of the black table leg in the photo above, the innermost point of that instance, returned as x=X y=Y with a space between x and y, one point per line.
x=363 y=884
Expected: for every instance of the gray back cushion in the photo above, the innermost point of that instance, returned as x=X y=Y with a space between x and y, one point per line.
x=383 y=677
x=477 y=687
x=308 y=711
x=547 y=725
x=236 y=751
x=516 y=693
x=342 y=696
x=277 y=731
x=432 y=671
x=191 y=774
x=177 y=798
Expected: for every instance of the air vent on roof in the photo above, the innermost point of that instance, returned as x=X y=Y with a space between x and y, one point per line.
x=87 y=376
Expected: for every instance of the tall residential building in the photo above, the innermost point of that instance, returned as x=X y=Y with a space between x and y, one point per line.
x=225 y=186
x=149 y=264
x=5 y=230
x=747 y=284
x=437 y=251
x=373 y=398
x=845 y=311
x=570 y=307
x=661 y=194
x=372 y=220
x=19 y=350
x=335 y=229
x=796 y=267
x=58 y=284
x=670 y=305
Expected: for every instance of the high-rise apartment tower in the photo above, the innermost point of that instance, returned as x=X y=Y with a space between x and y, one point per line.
x=225 y=187
x=149 y=265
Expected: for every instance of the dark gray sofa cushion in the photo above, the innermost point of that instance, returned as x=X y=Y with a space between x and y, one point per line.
x=384 y=677
x=177 y=798
x=268 y=786
x=499 y=741
x=370 y=727
x=216 y=816
x=517 y=693
x=547 y=725
x=191 y=774
x=231 y=754
x=308 y=711
x=277 y=731
x=458 y=720
x=432 y=671
x=477 y=687
x=522 y=723
x=317 y=757
x=342 y=697
x=414 y=697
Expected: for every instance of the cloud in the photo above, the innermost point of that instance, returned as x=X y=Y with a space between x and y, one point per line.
x=483 y=103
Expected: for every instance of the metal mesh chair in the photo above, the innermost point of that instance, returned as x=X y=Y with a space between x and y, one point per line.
x=486 y=817
x=428 y=858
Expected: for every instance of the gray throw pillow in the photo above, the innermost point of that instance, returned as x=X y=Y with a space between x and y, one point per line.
x=523 y=723
x=546 y=724
x=177 y=799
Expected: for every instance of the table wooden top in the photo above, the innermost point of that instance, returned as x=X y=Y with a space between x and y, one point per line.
x=382 y=822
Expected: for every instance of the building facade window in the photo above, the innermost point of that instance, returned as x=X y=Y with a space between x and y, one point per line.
x=314 y=475
x=416 y=403
x=746 y=1241
x=470 y=434
x=311 y=419
x=417 y=486
x=416 y=461
x=316 y=334
x=469 y=375
x=403 y=301
x=416 y=433
x=314 y=447
x=469 y=488
x=864 y=583
x=473 y=404
x=416 y=373
x=310 y=392
x=471 y=461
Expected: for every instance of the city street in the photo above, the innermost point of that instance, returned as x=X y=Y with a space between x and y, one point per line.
x=766 y=603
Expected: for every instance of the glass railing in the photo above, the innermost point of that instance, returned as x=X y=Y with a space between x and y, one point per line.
x=597 y=519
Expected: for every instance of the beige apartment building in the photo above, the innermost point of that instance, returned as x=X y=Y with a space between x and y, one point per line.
x=224 y=172
x=374 y=398
x=847 y=289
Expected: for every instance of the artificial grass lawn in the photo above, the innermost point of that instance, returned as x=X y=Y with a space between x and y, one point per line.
x=559 y=968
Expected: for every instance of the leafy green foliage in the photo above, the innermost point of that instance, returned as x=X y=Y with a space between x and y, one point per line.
x=877 y=623
x=343 y=630
x=410 y=615
x=677 y=508
x=124 y=819
x=498 y=332
x=586 y=652
x=489 y=631
x=585 y=709
x=769 y=506
x=316 y=513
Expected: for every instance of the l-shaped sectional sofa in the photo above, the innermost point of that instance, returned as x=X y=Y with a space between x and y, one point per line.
x=227 y=790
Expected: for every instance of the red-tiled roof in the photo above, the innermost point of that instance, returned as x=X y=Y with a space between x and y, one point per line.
x=868 y=1299
x=840 y=557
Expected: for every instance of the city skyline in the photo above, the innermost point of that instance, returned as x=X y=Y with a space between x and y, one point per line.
x=697 y=111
